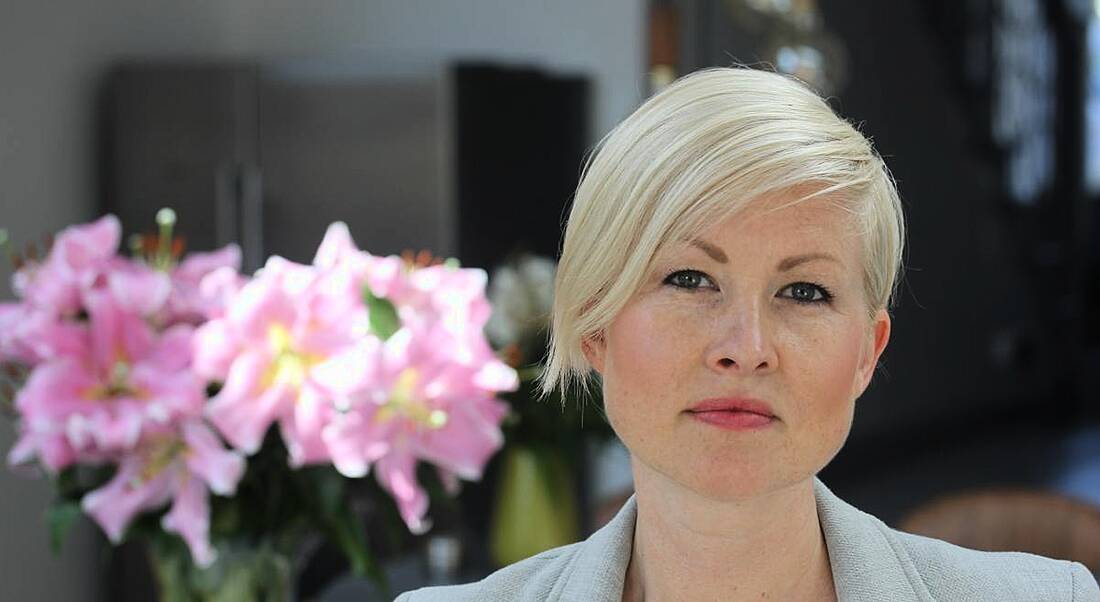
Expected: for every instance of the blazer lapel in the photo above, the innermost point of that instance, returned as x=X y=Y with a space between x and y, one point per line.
x=597 y=571
x=867 y=563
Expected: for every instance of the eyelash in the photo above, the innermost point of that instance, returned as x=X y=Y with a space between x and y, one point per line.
x=826 y=294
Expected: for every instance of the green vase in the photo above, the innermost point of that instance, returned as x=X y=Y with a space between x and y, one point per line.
x=239 y=574
x=536 y=505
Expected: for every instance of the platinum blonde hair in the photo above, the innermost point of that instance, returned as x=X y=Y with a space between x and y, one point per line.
x=694 y=154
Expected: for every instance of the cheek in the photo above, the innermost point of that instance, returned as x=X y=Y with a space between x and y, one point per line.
x=823 y=371
x=827 y=353
x=645 y=352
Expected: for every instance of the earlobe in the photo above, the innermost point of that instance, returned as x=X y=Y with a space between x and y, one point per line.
x=593 y=348
x=880 y=336
x=882 y=329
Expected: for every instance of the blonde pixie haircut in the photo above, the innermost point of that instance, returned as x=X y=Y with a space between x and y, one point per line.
x=694 y=154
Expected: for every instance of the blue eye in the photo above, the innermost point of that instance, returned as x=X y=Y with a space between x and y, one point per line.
x=689 y=280
x=808 y=293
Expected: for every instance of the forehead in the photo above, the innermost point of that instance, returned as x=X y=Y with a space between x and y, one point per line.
x=784 y=222
x=823 y=216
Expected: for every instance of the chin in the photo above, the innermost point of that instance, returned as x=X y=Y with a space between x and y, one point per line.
x=740 y=487
x=728 y=481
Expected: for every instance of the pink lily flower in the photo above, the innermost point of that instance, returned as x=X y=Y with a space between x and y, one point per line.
x=73 y=264
x=426 y=403
x=181 y=466
x=271 y=349
x=338 y=248
x=440 y=297
x=428 y=392
x=83 y=259
x=31 y=336
x=90 y=405
x=137 y=288
x=193 y=298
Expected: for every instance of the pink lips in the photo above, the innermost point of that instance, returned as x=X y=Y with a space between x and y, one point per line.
x=733 y=413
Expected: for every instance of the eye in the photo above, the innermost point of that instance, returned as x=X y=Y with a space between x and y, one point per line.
x=689 y=280
x=808 y=293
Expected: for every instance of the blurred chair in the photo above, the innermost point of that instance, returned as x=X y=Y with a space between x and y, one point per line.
x=1013 y=520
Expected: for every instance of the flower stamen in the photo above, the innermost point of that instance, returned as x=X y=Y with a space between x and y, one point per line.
x=404 y=403
x=160 y=455
x=289 y=366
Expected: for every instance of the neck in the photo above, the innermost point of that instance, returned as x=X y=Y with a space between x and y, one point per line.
x=687 y=547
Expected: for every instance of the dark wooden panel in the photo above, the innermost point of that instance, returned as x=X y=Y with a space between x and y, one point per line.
x=370 y=152
x=170 y=130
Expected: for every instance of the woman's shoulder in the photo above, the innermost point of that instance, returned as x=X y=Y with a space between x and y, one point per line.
x=872 y=561
x=529 y=579
x=592 y=569
x=952 y=572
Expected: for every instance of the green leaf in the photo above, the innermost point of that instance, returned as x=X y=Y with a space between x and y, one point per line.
x=330 y=502
x=225 y=516
x=60 y=518
x=383 y=315
x=330 y=488
x=347 y=529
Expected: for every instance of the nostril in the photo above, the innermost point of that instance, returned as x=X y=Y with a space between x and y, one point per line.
x=726 y=362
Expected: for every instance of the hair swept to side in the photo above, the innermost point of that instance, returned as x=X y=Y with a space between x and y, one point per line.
x=694 y=154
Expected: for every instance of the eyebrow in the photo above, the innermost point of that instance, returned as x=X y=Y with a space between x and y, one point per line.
x=797 y=260
x=785 y=265
x=714 y=252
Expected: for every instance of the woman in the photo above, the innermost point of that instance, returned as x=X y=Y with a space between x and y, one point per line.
x=728 y=265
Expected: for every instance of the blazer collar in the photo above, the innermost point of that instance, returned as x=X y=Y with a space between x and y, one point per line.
x=598 y=570
x=865 y=563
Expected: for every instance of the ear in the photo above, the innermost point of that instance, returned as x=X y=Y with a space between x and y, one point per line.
x=872 y=350
x=594 y=348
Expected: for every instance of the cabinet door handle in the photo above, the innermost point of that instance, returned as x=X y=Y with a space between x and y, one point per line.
x=238 y=211
x=251 y=211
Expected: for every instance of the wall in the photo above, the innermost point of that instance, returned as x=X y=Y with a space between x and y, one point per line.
x=52 y=53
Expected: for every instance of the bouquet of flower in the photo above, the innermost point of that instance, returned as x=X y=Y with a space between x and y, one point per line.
x=150 y=382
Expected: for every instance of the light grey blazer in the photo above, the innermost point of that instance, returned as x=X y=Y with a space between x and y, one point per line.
x=870 y=562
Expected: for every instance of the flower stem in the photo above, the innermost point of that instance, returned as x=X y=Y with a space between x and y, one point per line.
x=5 y=245
x=166 y=219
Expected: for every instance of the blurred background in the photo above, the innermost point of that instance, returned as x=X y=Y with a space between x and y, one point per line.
x=460 y=127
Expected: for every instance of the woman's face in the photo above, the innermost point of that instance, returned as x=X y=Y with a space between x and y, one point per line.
x=763 y=306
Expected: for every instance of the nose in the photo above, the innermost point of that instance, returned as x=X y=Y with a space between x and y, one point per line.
x=743 y=341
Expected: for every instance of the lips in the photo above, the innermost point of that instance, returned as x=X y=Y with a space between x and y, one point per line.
x=734 y=414
x=733 y=404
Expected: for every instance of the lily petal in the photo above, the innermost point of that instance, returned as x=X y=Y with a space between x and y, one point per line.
x=258 y=305
x=206 y=457
x=116 y=335
x=242 y=411
x=190 y=518
x=139 y=289
x=397 y=474
x=466 y=442
x=172 y=350
x=213 y=349
x=354 y=442
x=197 y=265
x=115 y=504
x=336 y=245
x=302 y=427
